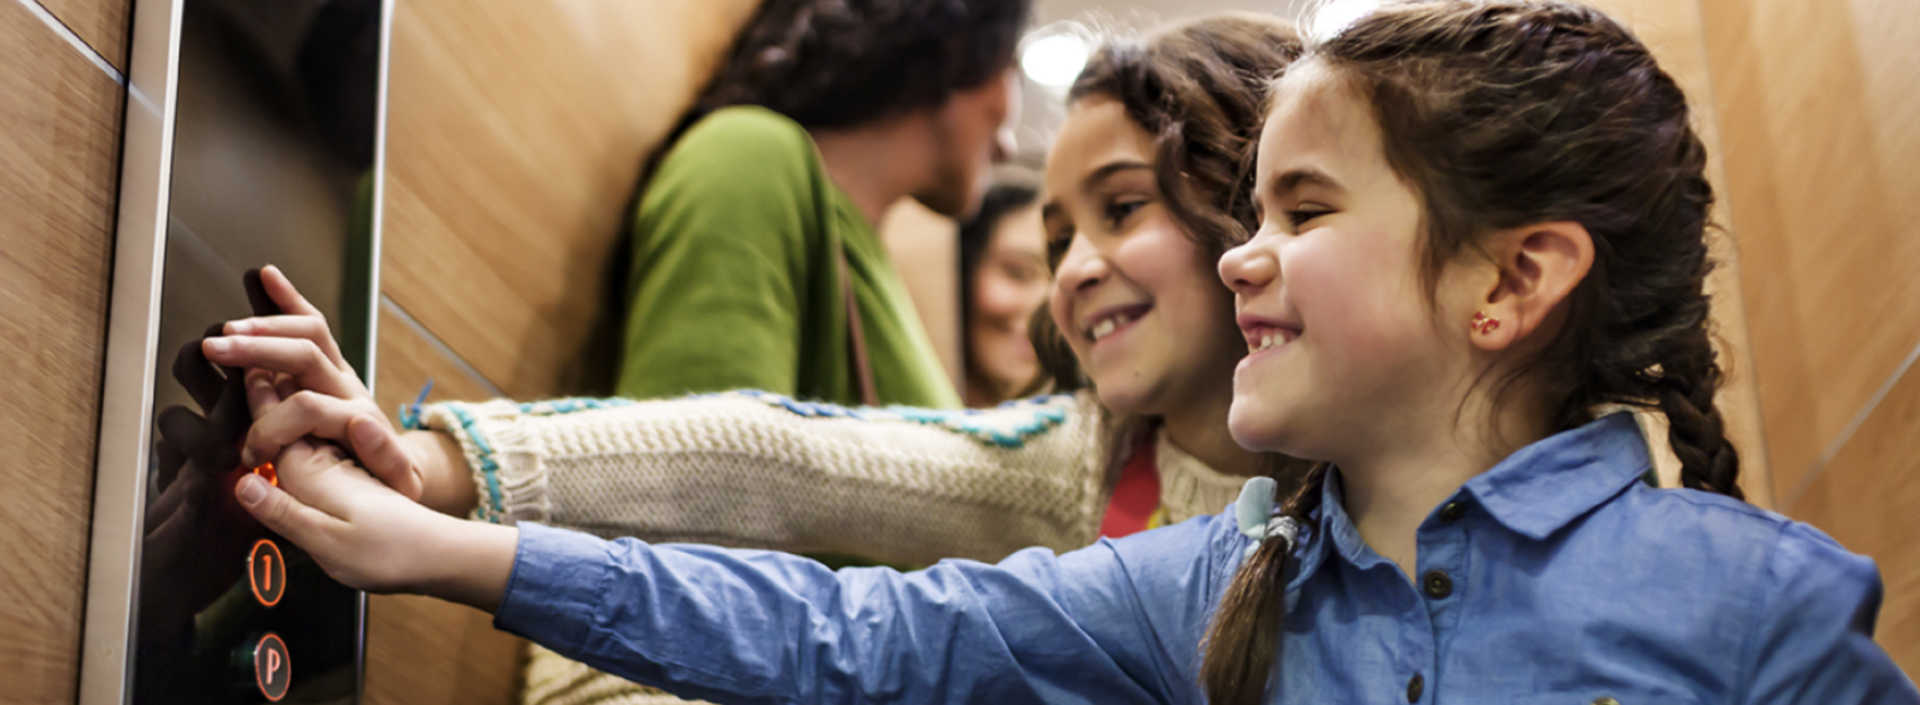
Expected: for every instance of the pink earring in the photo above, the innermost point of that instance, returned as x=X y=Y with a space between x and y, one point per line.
x=1483 y=323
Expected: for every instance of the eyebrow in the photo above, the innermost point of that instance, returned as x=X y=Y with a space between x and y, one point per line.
x=1293 y=179
x=1052 y=208
x=1106 y=171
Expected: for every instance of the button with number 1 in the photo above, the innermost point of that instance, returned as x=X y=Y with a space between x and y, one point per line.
x=267 y=572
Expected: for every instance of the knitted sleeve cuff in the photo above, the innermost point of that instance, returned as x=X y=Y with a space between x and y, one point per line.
x=506 y=458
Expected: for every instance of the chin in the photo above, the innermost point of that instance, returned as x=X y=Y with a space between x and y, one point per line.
x=1257 y=427
x=1122 y=398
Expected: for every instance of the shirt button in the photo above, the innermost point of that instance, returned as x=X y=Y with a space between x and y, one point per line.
x=1452 y=512
x=1604 y=700
x=1437 y=584
x=1415 y=687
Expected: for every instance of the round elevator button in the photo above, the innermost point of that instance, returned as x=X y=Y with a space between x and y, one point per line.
x=263 y=661
x=267 y=572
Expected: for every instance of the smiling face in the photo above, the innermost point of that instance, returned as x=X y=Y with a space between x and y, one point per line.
x=1349 y=354
x=1133 y=295
x=1010 y=283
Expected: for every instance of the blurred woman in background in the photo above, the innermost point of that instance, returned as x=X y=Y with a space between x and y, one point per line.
x=754 y=260
x=1003 y=281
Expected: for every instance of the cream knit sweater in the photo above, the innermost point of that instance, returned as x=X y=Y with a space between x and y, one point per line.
x=751 y=469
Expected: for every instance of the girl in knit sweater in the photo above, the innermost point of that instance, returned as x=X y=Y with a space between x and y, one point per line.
x=1146 y=188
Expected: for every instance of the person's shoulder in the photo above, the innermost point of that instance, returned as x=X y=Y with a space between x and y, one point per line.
x=1718 y=513
x=737 y=164
x=1724 y=527
x=744 y=132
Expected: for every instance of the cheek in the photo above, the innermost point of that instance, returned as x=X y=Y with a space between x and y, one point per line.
x=1345 y=297
x=1060 y=310
x=1185 y=284
x=1032 y=296
x=993 y=296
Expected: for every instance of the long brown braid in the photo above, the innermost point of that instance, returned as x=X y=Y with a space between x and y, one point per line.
x=1501 y=114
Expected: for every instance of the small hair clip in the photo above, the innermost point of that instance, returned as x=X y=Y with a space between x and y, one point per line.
x=410 y=413
x=1254 y=512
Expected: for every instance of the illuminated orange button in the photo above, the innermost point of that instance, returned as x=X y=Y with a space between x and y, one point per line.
x=272 y=667
x=267 y=472
x=267 y=572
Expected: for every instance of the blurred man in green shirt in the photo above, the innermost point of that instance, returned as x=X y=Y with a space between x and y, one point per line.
x=756 y=260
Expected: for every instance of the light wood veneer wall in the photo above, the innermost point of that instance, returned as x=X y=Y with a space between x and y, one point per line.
x=516 y=133
x=60 y=112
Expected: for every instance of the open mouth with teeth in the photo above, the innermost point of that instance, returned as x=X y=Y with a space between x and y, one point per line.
x=1115 y=321
x=1262 y=338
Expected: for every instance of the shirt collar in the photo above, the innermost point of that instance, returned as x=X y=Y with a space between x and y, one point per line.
x=1548 y=484
x=1534 y=492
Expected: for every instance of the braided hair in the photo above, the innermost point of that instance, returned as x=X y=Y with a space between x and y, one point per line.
x=1500 y=114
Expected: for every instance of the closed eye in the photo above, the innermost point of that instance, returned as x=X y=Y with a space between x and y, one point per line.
x=1301 y=217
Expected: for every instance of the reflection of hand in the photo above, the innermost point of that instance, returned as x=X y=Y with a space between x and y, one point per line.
x=294 y=359
x=193 y=530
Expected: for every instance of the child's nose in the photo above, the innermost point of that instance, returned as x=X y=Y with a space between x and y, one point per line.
x=1247 y=269
x=1082 y=268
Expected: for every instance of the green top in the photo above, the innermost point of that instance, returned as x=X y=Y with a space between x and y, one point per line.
x=735 y=278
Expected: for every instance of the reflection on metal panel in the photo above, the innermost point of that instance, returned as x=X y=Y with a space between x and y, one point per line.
x=253 y=138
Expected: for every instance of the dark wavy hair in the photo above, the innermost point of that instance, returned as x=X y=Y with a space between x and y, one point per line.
x=1500 y=114
x=837 y=63
x=1199 y=88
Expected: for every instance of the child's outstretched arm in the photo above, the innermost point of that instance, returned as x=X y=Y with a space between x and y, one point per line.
x=901 y=486
x=1114 y=623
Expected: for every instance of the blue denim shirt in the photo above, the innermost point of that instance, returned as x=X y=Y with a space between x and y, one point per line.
x=1564 y=579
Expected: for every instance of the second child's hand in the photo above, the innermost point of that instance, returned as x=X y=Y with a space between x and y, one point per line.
x=294 y=358
x=370 y=537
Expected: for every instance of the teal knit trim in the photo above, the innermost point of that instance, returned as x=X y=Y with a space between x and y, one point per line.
x=494 y=508
x=1008 y=426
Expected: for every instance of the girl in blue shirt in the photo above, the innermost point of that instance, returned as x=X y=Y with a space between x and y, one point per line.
x=1481 y=222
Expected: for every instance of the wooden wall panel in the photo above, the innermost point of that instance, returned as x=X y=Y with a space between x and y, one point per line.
x=1821 y=179
x=59 y=144
x=516 y=134
x=408 y=358
x=1866 y=498
x=422 y=651
x=1674 y=30
x=102 y=24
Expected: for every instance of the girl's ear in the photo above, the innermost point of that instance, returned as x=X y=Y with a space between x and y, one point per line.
x=1539 y=265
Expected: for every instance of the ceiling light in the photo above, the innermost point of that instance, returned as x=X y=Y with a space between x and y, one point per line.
x=1054 y=60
